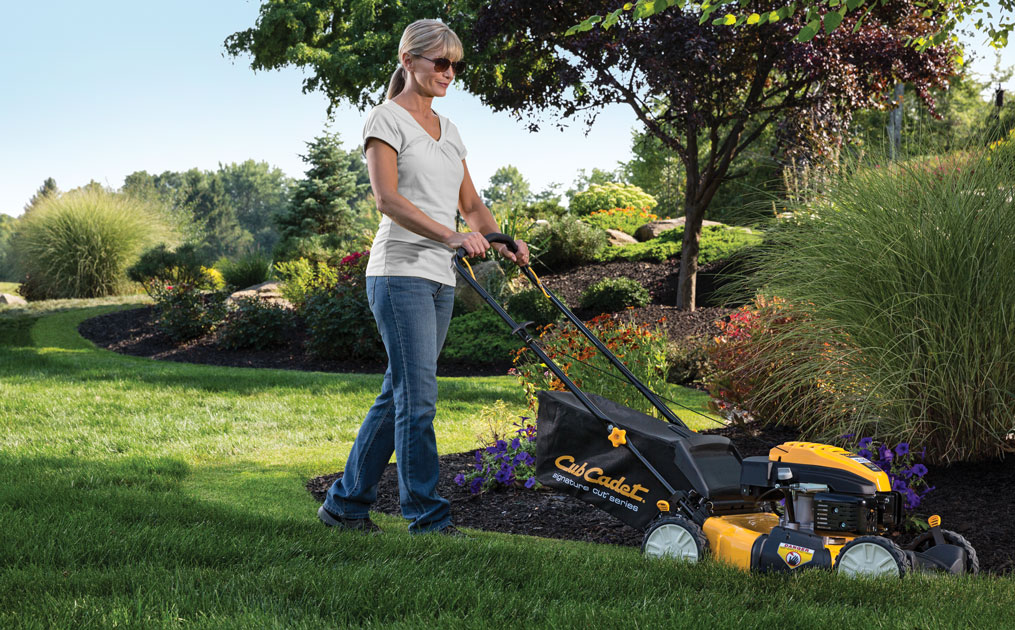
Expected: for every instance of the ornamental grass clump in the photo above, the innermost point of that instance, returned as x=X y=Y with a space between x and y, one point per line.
x=79 y=245
x=910 y=272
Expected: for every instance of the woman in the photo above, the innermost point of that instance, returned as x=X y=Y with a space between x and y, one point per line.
x=416 y=161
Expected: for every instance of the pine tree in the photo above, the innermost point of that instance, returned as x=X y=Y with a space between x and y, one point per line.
x=319 y=221
x=47 y=190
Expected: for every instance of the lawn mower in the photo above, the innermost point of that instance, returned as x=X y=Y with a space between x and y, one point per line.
x=693 y=494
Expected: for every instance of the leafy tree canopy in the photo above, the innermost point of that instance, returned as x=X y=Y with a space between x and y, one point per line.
x=507 y=186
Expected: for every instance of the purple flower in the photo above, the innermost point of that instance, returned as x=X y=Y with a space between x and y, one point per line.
x=900 y=486
x=478 y=466
x=847 y=436
x=907 y=473
x=516 y=444
x=501 y=445
x=530 y=482
x=885 y=453
x=902 y=449
x=476 y=486
x=865 y=454
x=479 y=456
x=912 y=499
x=866 y=442
x=504 y=475
x=460 y=479
x=919 y=470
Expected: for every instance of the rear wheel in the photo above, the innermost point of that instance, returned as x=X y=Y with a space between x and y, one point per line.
x=872 y=556
x=675 y=537
x=925 y=541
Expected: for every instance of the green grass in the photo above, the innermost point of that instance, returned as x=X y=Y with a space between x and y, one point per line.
x=136 y=493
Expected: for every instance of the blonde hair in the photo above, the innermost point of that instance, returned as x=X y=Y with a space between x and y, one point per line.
x=419 y=37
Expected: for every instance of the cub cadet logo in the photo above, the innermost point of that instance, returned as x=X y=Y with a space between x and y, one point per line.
x=595 y=475
x=794 y=556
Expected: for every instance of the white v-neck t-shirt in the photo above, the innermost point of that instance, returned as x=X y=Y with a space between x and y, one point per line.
x=430 y=174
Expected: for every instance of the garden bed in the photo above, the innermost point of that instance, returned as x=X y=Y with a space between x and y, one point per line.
x=972 y=499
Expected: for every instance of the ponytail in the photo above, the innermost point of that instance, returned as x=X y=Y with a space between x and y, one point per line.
x=397 y=82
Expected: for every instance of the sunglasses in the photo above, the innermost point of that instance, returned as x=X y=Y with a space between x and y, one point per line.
x=441 y=64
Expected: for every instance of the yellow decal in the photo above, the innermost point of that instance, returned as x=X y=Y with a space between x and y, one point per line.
x=794 y=555
x=618 y=437
x=596 y=476
x=934 y=521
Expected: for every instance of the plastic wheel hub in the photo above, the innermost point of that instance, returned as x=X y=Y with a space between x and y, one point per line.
x=672 y=541
x=868 y=558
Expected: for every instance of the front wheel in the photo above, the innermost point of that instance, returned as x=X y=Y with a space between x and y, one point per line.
x=873 y=556
x=675 y=537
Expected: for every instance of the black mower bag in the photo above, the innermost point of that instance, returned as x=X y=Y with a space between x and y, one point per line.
x=574 y=454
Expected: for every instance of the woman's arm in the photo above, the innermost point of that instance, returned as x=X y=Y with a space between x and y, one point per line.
x=480 y=219
x=382 y=165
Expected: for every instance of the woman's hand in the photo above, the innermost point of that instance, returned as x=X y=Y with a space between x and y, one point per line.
x=521 y=258
x=473 y=242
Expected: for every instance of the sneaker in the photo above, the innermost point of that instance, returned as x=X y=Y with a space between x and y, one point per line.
x=363 y=525
x=452 y=532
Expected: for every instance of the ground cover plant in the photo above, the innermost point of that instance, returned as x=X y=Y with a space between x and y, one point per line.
x=627 y=219
x=717 y=242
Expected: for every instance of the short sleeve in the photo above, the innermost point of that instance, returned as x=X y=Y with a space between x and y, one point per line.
x=381 y=124
x=456 y=139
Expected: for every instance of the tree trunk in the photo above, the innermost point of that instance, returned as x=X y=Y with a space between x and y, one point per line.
x=687 y=280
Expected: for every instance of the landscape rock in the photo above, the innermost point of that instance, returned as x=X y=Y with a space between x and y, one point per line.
x=489 y=275
x=620 y=238
x=268 y=291
x=651 y=230
x=13 y=300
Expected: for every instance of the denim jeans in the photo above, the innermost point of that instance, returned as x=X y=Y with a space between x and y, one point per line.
x=412 y=316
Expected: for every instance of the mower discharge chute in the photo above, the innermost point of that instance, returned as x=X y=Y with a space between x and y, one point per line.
x=693 y=494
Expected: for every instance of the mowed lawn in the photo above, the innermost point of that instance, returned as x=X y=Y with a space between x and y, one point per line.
x=136 y=493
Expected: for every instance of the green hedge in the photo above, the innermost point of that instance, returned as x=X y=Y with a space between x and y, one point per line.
x=480 y=337
x=717 y=242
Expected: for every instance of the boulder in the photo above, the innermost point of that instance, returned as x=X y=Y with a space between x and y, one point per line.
x=489 y=275
x=268 y=291
x=651 y=230
x=620 y=238
x=13 y=300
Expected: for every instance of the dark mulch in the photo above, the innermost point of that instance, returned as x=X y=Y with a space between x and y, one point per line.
x=134 y=332
x=972 y=499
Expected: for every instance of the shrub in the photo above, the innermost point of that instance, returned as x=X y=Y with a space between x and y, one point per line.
x=79 y=245
x=624 y=219
x=687 y=361
x=717 y=242
x=160 y=268
x=613 y=294
x=339 y=323
x=606 y=196
x=478 y=337
x=505 y=462
x=186 y=313
x=913 y=270
x=256 y=323
x=566 y=243
x=530 y=305
x=642 y=349
x=248 y=270
x=301 y=278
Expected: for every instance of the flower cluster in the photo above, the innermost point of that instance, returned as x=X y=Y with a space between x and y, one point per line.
x=627 y=219
x=906 y=474
x=504 y=463
x=352 y=268
x=639 y=346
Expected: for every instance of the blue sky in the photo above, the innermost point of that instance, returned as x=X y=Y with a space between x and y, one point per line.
x=97 y=90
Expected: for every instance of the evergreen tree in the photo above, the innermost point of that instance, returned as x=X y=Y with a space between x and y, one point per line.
x=47 y=190
x=211 y=207
x=320 y=219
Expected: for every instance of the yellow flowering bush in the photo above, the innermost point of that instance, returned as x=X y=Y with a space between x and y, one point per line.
x=627 y=219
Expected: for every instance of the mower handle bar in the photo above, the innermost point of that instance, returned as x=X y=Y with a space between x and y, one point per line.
x=493 y=237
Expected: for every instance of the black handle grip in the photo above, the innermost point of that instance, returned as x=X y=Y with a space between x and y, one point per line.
x=494 y=237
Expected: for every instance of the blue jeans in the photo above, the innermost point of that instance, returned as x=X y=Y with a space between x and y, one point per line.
x=412 y=316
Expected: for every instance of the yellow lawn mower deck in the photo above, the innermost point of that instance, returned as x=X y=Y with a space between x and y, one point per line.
x=694 y=495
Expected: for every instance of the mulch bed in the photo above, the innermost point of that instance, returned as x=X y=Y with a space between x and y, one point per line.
x=972 y=499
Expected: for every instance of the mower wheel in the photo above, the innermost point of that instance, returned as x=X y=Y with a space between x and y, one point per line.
x=675 y=537
x=872 y=556
x=925 y=541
